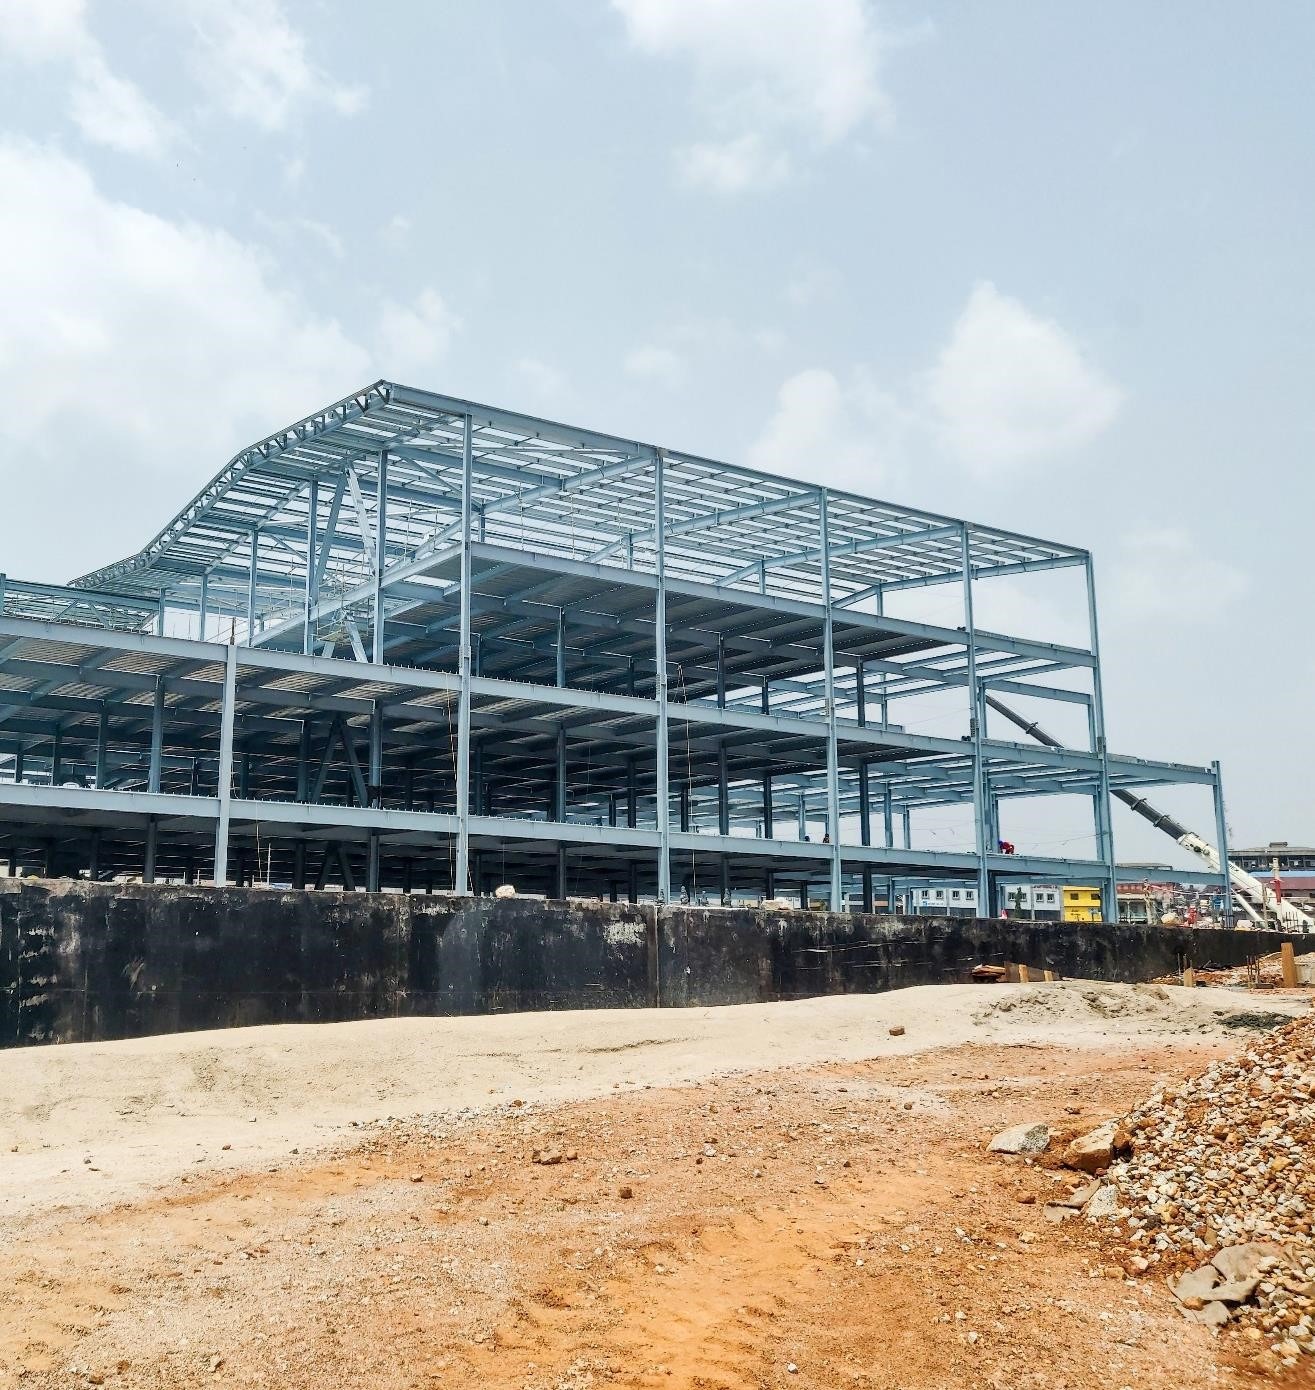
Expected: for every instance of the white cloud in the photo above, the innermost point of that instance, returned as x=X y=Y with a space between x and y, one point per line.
x=414 y=338
x=659 y=365
x=733 y=166
x=254 y=63
x=144 y=353
x=1008 y=388
x=108 y=109
x=1163 y=575
x=1011 y=387
x=826 y=431
x=768 y=72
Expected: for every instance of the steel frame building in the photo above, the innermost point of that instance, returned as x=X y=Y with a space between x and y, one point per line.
x=415 y=642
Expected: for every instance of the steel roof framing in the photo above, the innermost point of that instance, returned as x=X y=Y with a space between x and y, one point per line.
x=438 y=602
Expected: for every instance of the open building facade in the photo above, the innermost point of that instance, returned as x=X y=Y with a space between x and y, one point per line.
x=417 y=643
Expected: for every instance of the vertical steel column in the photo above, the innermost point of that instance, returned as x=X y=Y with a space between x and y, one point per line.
x=375 y=797
x=769 y=819
x=152 y=844
x=251 y=584
x=660 y=619
x=1105 y=819
x=723 y=819
x=829 y=682
x=559 y=787
x=102 y=738
x=1221 y=831
x=312 y=540
x=303 y=763
x=975 y=724
x=462 y=873
x=225 y=763
x=204 y=610
x=153 y=776
x=56 y=760
x=380 y=556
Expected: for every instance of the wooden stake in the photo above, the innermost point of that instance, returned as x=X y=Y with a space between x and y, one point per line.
x=1289 y=966
x=1048 y=976
x=1189 y=978
x=1024 y=975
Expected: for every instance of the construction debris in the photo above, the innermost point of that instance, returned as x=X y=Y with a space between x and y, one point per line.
x=1221 y=1170
x=1028 y=1138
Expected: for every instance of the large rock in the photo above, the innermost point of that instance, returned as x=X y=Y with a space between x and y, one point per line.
x=1104 y=1206
x=1250 y=1260
x=1213 y=1314
x=1197 y=1283
x=1021 y=1139
x=1094 y=1152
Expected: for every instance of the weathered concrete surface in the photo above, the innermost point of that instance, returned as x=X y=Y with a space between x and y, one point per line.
x=82 y=961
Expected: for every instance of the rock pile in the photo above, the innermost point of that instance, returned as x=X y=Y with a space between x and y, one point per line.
x=1222 y=1169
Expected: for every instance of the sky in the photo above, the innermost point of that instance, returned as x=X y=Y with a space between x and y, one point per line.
x=1045 y=266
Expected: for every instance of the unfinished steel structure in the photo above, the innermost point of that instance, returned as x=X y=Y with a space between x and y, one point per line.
x=414 y=642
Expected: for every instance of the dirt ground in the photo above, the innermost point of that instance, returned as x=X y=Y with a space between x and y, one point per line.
x=816 y=1224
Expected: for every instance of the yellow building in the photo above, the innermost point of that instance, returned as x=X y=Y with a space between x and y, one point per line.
x=1081 y=904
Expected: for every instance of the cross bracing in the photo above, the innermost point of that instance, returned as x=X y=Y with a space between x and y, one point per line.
x=412 y=639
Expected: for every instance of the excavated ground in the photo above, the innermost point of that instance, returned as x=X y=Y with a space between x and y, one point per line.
x=817 y=1224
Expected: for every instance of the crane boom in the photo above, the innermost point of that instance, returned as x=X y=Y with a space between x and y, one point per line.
x=1251 y=890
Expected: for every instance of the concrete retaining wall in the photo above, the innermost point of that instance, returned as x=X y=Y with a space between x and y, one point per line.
x=81 y=961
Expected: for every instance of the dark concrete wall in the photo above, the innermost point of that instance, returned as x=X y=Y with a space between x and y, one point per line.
x=81 y=961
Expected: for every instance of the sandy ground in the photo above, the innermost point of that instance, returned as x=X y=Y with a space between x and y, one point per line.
x=737 y=1192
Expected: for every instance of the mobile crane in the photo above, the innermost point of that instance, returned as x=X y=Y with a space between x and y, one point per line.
x=1256 y=898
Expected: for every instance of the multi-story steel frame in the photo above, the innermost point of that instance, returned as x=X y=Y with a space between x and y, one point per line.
x=416 y=642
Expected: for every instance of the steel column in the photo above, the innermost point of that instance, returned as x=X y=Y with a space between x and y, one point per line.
x=152 y=844
x=251 y=584
x=225 y=790
x=1221 y=833
x=660 y=657
x=380 y=556
x=829 y=685
x=462 y=870
x=1105 y=823
x=157 y=736
x=312 y=588
x=102 y=737
x=975 y=723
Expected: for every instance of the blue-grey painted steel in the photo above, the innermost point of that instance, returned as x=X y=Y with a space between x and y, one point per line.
x=380 y=559
x=662 y=769
x=225 y=788
x=311 y=595
x=1105 y=818
x=977 y=731
x=1221 y=831
x=462 y=867
x=829 y=699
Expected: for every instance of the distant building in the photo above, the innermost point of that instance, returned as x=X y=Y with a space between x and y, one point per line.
x=1081 y=903
x=1038 y=902
x=1295 y=865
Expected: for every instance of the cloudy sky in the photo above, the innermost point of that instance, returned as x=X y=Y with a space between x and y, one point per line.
x=1048 y=266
